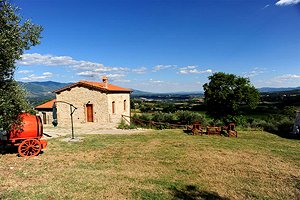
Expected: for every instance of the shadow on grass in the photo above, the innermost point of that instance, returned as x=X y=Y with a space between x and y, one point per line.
x=191 y=192
x=11 y=150
x=8 y=150
x=283 y=133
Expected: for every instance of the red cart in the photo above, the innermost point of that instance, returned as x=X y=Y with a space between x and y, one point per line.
x=27 y=137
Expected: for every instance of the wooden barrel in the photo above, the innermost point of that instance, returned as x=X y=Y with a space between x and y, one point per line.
x=31 y=127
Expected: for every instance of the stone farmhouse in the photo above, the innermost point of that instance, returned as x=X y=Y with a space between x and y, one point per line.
x=45 y=111
x=99 y=104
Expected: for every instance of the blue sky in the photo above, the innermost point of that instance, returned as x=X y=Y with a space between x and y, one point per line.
x=163 y=46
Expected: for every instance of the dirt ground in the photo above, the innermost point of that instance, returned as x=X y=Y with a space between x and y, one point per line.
x=54 y=132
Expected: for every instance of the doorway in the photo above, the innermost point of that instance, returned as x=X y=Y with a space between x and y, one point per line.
x=89 y=111
x=44 y=118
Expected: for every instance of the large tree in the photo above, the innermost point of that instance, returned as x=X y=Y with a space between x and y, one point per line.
x=226 y=93
x=16 y=36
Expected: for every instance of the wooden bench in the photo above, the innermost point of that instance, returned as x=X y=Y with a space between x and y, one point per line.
x=213 y=130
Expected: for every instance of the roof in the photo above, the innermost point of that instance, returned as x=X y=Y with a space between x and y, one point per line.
x=95 y=85
x=47 y=105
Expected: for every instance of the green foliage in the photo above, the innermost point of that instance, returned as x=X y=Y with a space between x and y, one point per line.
x=12 y=103
x=163 y=117
x=239 y=120
x=179 y=117
x=146 y=107
x=279 y=125
x=168 y=107
x=16 y=35
x=124 y=125
x=226 y=93
x=188 y=117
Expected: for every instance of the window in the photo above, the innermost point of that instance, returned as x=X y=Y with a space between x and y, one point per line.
x=124 y=105
x=113 y=107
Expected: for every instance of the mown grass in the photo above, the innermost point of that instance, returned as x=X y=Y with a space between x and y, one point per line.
x=164 y=164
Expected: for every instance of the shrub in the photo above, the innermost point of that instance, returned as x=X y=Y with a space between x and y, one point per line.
x=142 y=120
x=278 y=125
x=163 y=117
x=188 y=117
x=239 y=120
x=124 y=125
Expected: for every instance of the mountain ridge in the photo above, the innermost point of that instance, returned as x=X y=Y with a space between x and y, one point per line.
x=42 y=91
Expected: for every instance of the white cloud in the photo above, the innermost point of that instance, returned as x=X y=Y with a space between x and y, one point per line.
x=286 y=80
x=83 y=68
x=115 y=76
x=155 y=81
x=122 y=81
x=140 y=70
x=24 y=71
x=34 y=77
x=46 y=60
x=189 y=67
x=287 y=2
x=286 y=77
x=51 y=60
x=192 y=69
x=48 y=74
x=162 y=67
x=88 y=73
x=256 y=71
x=266 y=6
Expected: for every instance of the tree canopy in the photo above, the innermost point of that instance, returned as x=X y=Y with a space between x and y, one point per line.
x=226 y=93
x=16 y=36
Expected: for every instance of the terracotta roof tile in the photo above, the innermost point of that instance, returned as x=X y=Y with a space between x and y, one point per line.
x=96 y=85
x=48 y=104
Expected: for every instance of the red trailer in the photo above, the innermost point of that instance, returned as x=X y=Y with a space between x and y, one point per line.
x=27 y=137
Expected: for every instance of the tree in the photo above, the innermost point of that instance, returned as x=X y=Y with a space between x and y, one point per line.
x=16 y=36
x=226 y=93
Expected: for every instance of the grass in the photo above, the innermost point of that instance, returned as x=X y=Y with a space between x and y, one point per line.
x=164 y=164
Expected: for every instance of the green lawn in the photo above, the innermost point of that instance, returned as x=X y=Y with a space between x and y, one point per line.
x=164 y=164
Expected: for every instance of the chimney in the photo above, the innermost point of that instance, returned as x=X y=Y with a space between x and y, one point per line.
x=105 y=81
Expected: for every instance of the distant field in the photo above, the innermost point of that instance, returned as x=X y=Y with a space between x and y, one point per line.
x=164 y=164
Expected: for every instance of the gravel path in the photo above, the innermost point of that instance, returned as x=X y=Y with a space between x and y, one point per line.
x=54 y=132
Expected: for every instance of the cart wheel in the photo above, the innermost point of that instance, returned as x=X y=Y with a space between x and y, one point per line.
x=29 y=148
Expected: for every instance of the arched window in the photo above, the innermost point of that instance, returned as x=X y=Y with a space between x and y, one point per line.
x=113 y=107
x=124 y=105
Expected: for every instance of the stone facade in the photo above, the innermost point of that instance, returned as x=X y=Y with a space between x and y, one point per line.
x=45 y=111
x=46 y=116
x=100 y=102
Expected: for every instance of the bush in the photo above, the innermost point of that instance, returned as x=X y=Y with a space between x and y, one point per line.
x=124 y=125
x=278 y=125
x=163 y=117
x=239 y=120
x=142 y=120
x=215 y=122
x=188 y=117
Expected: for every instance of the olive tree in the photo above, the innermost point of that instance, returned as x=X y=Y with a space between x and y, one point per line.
x=16 y=36
x=225 y=94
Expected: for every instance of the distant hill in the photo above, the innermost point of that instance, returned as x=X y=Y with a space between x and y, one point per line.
x=270 y=89
x=38 y=89
x=139 y=92
x=39 y=92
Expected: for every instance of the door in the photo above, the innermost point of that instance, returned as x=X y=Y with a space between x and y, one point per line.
x=44 y=118
x=89 y=111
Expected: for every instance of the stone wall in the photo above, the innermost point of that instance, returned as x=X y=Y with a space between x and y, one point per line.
x=79 y=97
x=102 y=107
x=121 y=107
x=49 y=116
